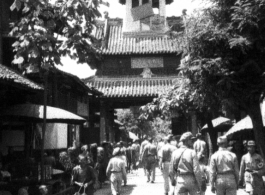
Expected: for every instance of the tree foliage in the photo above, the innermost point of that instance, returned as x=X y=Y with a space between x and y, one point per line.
x=49 y=30
x=156 y=128
x=224 y=62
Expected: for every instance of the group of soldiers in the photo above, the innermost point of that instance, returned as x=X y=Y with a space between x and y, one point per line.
x=183 y=166
x=185 y=171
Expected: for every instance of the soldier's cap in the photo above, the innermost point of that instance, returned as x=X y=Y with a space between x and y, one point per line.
x=186 y=136
x=251 y=143
x=116 y=151
x=222 y=140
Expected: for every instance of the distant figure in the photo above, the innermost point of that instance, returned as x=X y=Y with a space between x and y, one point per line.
x=224 y=170
x=129 y=156
x=100 y=165
x=150 y=156
x=143 y=144
x=43 y=190
x=200 y=148
x=49 y=159
x=165 y=158
x=252 y=169
x=116 y=172
x=136 y=150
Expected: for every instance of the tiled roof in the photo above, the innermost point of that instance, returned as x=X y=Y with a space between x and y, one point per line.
x=131 y=87
x=117 y=43
x=167 y=1
x=6 y=74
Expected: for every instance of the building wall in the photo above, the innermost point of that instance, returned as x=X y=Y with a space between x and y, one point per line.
x=121 y=66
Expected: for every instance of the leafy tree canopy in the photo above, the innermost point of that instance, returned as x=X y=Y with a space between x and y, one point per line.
x=49 y=30
x=223 y=62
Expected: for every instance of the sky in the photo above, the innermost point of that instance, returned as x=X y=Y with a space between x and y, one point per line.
x=116 y=10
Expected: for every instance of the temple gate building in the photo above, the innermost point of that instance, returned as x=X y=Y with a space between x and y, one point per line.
x=140 y=60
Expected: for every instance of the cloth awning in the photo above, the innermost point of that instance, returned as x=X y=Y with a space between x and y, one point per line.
x=221 y=124
x=133 y=136
x=34 y=113
x=243 y=124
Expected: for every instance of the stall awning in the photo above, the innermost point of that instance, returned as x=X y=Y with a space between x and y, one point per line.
x=243 y=124
x=220 y=123
x=34 y=113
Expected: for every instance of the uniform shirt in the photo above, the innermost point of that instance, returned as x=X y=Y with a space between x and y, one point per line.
x=200 y=147
x=143 y=144
x=150 y=150
x=251 y=163
x=159 y=147
x=116 y=164
x=187 y=163
x=223 y=161
x=166 y=152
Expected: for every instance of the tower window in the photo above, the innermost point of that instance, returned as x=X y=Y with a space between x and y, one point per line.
x=145 y=1
x=135 y=3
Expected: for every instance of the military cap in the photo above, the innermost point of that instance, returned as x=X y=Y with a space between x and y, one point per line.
x=251 y=143
x=116 y=151
x=222 y=140
x=186 y=136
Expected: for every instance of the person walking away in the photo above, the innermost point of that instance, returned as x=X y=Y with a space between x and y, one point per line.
x=150 y=154
x=142 y=161
x=164 y=161
x=129 y=157
x=100 y=165
x=184 y=167
x=252 y=169
x=116 y=172
x=136 y=151
x=83 y=177
x=224 y=170
x=200 y=148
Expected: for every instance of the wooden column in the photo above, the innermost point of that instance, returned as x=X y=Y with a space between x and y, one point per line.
x=111 y=124
x=104 y=120
x=193 y=119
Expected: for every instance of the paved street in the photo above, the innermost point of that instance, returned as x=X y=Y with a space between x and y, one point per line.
x=137 y=185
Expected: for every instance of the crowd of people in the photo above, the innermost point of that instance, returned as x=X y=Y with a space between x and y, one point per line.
x=183 y=161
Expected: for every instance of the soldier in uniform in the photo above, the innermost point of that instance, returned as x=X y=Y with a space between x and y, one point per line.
x=164 y=161
x=116 y=172
x=251 y=169
x=200 y=148
x=142 y=161
x=224 y=170
x=184 y=167
x=150 y=156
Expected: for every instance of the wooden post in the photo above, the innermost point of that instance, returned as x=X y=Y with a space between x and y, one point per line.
x=111 y=123
x=1 y=31
x=103 y=118
x=44 y=124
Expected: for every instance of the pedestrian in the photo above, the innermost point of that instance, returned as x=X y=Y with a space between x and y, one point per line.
x=142 y=161
x=200 y=148
x=164 y=161
x=100 y=165
x=129 y=157
x=136 y=151
x=116 y=172
x=224 y=170
x=150 y=156
x=184 y=168
x=252 y=169
x=83 y=177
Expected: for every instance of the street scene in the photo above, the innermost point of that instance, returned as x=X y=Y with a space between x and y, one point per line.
x=132 y=97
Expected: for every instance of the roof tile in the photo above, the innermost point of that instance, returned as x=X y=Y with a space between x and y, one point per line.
x=131 y=87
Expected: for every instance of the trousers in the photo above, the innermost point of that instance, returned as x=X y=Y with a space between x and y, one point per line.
x=226 y=184
x=168 y=188
x=186 y=184
x=151 y=172
x=116 y=182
